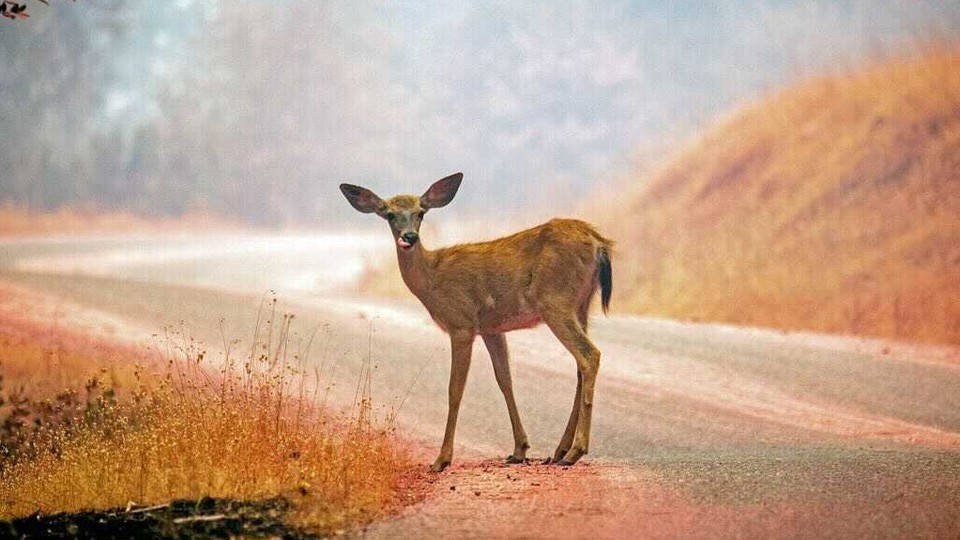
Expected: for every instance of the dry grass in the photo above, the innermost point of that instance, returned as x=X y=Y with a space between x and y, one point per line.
x=18 y=220
x=244 y=428
x=832 y=207
x=40 y=367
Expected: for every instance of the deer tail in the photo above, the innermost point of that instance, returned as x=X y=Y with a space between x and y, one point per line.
x=604 y=277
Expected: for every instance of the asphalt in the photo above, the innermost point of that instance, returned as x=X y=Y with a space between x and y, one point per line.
x=855 y=434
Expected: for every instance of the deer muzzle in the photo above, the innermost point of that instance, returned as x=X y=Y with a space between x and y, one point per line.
x=407 y=239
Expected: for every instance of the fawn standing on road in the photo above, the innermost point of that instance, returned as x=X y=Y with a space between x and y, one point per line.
x=545 y=274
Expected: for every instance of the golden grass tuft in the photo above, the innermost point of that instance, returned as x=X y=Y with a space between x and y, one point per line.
x=242 y=429
x=831 y=206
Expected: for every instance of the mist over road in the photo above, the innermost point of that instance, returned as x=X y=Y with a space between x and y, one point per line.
x=701 y=407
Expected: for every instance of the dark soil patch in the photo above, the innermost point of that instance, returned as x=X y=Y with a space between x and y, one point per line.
x=180 y=519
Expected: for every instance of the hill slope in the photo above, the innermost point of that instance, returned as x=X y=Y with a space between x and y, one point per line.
x=833 y=206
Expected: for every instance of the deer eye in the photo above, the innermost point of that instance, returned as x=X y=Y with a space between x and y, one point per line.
x=421 y=214
x=391 y=215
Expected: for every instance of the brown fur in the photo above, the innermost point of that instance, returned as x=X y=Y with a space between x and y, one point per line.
x=545 y=274
x=504 y=284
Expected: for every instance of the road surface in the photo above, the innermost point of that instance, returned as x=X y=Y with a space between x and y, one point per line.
x=699 y=430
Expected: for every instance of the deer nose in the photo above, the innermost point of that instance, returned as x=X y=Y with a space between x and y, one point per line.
x=410 y=237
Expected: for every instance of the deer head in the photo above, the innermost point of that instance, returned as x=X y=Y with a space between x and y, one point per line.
x=404 y=213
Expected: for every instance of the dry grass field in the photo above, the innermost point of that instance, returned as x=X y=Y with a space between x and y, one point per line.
x=94 y=426
x=832 y=206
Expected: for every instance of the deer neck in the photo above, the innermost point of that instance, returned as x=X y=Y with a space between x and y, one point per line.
x=416 y=269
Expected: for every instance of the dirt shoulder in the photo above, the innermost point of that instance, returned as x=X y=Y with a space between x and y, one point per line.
x=828 y=495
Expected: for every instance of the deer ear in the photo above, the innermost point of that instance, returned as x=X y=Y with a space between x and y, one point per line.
x=362 y=199
x=441 y=192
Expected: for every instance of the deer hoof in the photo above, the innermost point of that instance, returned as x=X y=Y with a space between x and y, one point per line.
x=512 y=459
x=439 y=465
x=558 y=455
x=573 y=455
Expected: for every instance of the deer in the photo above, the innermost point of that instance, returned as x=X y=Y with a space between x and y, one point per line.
x=546 y=274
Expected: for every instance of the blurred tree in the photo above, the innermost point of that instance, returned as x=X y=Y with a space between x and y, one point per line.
x=55 y=80
x=243 y=120
x=16 y=10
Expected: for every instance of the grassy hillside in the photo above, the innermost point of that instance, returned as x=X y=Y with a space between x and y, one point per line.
x=833 y=206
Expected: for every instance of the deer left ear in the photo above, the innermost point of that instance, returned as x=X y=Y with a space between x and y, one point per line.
x=441 y=192
x=362 y=199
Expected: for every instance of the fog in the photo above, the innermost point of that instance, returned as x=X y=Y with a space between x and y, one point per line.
x=291 y=263
x=257 y=110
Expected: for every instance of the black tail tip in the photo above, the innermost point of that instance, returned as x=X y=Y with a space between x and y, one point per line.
x=605 y=277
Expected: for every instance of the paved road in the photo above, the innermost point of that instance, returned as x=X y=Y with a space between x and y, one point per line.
x=865 y=434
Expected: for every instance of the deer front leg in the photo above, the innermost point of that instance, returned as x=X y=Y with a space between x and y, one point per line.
x=499 y=355
x=461 y=346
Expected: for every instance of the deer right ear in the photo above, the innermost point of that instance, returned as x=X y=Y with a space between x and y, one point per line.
x=362 y=199
x=441 y=192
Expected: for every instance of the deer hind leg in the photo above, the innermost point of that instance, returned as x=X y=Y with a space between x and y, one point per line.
x=461 y=346
x=583 y=311
x=567 y=439
x=499 y=355
x=571 y=334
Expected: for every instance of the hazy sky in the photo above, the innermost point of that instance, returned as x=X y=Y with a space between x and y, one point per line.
x=517 y=95
x=566 y=93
